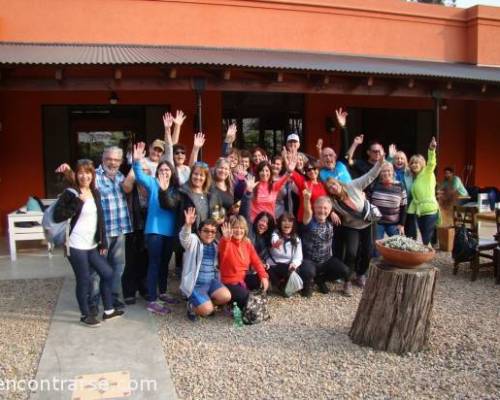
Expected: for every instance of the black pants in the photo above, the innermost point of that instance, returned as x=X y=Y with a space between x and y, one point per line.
x=136 y=265
x=179 y=253
x=330 y=270
x=358 y=249
x=278 y=274
x=411 y=226
x=239 y=293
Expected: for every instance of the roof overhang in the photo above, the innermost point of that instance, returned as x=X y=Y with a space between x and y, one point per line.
x=17 y=54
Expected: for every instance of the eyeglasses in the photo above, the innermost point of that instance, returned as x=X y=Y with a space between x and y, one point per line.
x=179 y=152
x=209 y=231
x=201 y=164
x=310 y=169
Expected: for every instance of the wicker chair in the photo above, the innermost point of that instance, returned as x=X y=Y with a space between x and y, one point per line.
x=487 y=248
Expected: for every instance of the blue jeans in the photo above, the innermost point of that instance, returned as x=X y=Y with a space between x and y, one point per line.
x=160 y=249
x=116 y=260
x=84 y=263
x=390 y=229
x=426 y=225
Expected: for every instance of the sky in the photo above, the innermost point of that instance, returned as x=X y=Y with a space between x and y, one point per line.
x=470 y=3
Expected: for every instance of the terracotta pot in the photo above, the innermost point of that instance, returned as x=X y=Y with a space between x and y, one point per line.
x=403 y=259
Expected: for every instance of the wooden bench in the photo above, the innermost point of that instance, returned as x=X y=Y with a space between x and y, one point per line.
x=17 y=233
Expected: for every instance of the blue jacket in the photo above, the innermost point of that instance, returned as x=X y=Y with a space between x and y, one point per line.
x=159 y=221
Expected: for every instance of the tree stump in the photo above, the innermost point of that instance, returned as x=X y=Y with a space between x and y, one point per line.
x=395 y=311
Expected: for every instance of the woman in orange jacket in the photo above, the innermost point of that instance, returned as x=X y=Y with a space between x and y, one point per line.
x=236 y=255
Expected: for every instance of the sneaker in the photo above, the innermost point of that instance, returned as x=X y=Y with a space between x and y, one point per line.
x=94 y=311
x=360 y=281
x=117 y=304
x=130 y=301
x=167 y=299
x=347 y=289
x=190 y=312
x=115 y=314
x=157 y=308
x=90 y=321
x=323 y=287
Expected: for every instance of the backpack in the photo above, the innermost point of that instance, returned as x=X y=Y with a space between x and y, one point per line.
x=56 y=233
x=464 y=245
x=256 y=310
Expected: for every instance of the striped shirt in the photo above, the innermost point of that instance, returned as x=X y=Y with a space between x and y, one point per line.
x=114 y=203
x=391 y=200
x=207 y=267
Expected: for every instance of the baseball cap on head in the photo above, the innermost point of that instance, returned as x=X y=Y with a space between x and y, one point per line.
x=158 y=143
x=293 y=136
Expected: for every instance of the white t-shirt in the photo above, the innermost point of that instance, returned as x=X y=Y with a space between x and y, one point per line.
x=83 y=234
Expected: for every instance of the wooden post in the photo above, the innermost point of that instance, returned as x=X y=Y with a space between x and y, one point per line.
x=395 y=311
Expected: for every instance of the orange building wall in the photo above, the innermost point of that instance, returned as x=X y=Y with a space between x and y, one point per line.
x=391 y=28
x=21 y=138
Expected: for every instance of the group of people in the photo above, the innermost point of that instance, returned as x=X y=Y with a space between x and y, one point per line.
x=245 y=223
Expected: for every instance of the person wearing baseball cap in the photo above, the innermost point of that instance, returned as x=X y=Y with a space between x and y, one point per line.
x=293 y=142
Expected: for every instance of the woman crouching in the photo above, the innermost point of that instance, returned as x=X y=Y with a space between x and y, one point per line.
x=200 y=280
x=236 y=255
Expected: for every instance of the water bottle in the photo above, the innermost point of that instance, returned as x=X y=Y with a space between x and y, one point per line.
x=237 y=316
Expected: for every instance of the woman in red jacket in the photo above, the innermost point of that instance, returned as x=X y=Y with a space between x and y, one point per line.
x=236 y=255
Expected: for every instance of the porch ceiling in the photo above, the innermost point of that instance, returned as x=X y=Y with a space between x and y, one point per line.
x=92 y=54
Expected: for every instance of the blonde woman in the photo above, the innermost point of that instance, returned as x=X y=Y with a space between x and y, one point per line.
x=349 y=202
x=424 y=206
x=403 y=174
x=236 y=255
x=222 y=183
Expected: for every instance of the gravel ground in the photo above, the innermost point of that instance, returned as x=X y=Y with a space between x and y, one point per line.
x=304 y=351
x=26 y=308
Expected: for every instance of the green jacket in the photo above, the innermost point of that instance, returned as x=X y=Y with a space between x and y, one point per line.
x=423 y=190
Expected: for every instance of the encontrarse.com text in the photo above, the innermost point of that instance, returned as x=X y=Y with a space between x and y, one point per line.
x=60 y=385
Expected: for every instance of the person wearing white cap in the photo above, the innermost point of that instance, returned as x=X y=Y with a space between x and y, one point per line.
x=293 y=143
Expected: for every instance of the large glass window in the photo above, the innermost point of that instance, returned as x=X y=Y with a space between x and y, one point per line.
x=263 y=119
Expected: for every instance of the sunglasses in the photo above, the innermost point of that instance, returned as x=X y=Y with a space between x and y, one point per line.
x=209 y=231
x=201 y=164
x=179 y=152
x=310 y=169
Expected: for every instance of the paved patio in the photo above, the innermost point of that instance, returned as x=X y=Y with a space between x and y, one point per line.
x=120 y=355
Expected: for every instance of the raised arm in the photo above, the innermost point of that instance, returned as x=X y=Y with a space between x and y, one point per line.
x=186 y=237
x=128 y=183
x=363 y=181
x=319 y=148
x=168 y=120
x=229 y=140
x=431 y=156
x=143 y=178
x=199 y=141
x=355 y=143
x=67 y=172
x=341 y=117
x=306 y=193
x=178 y=121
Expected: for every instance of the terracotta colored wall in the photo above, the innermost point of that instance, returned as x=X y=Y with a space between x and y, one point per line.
x=21 y=159
x=383 y=27
x=456 y=138
x=487 y=144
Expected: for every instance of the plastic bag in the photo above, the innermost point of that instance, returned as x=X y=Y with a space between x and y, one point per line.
x=294 y=284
